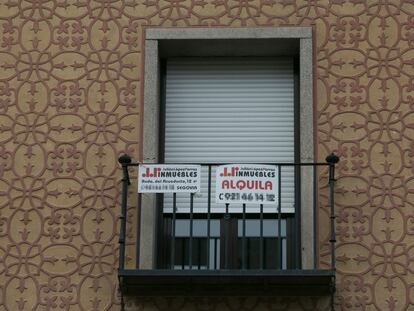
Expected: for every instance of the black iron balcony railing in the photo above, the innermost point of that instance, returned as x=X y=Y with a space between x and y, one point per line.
x=201 y=239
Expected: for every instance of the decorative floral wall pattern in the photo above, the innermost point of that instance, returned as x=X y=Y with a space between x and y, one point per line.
x=70 y=103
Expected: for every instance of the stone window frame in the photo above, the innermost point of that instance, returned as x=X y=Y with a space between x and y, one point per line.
x=275 y=41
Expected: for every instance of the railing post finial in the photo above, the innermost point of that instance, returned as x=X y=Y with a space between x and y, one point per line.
x=332 y=158
x=124 y=159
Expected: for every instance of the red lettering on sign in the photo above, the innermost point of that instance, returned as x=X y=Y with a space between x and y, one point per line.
x=249 y=184
x=153 y=173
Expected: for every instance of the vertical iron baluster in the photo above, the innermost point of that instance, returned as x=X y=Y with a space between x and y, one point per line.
x=315 y=218
x=208 y=216
x=332 y=159
x=184 y=243
x=199 y=254
x=261 y=238
x=173 y=231
x=215 y=253
x=248 y=254
x=138 y=230
x=124 y=160
x=190 y=251
x=244 y=238
x=226 y=238
x=279 y=217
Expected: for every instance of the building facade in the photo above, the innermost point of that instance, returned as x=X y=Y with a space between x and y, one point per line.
x=72 y=87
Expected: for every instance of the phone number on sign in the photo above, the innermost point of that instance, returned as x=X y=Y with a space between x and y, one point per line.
x=251 y=197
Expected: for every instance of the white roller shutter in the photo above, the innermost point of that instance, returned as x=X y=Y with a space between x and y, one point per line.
x=230 y=110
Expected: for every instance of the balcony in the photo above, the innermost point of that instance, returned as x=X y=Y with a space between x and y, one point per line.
x=209 y=249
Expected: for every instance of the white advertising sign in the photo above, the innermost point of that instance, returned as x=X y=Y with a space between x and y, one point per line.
x=247 y=183
x=161 y=178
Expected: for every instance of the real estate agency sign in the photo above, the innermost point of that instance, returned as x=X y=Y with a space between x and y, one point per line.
x=160 y=178
x=247 y=183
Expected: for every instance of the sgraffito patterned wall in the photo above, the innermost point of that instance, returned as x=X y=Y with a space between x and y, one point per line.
x=70 y=103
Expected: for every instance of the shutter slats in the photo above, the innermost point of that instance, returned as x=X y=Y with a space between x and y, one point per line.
x=229 y=111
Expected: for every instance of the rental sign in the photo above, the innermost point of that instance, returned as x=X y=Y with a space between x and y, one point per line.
x=247 y=183
x=159 y=178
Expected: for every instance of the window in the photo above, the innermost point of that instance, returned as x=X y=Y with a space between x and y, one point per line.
x=234 y=43
x=229 y=110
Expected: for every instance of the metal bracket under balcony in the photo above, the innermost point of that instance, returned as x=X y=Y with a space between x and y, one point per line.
x=173 y=283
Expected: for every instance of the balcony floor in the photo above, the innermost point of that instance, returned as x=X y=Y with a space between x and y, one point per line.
x=150 y=283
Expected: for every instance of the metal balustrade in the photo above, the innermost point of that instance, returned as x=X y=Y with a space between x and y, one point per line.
x=204 y=237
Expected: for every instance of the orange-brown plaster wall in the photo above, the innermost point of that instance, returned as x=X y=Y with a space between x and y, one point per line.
x=70 y=104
